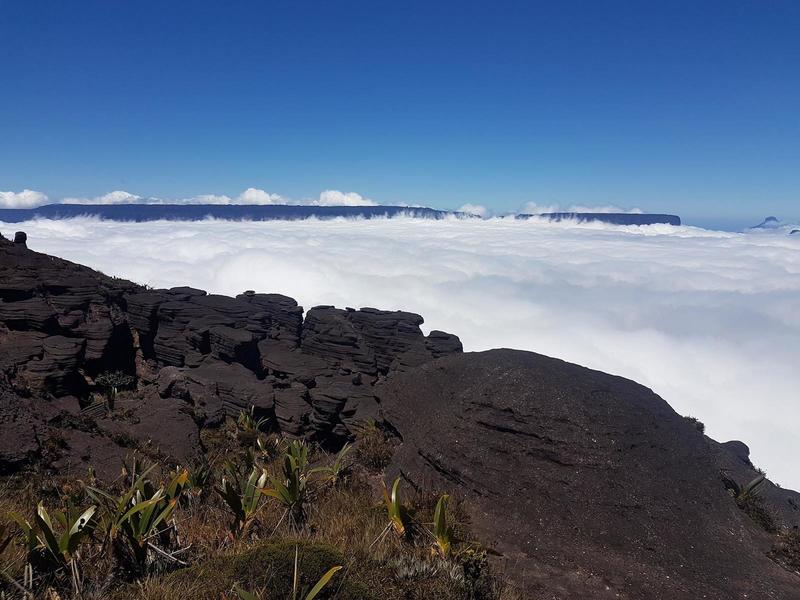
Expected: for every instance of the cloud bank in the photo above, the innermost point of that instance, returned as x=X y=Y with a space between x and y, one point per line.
x=709 y=320
x=24 y=199
x=250 y=196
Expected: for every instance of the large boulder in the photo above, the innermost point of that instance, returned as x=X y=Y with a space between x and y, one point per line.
x=590 y=485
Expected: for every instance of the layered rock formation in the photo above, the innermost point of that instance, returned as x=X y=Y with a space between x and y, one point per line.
x=196 y=357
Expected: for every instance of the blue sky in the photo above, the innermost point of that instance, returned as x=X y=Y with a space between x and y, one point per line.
x=686 y=107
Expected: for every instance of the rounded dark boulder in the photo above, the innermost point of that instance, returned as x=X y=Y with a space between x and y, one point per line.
x=589 y=485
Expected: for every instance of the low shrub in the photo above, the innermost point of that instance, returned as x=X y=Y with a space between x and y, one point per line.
x=373 y=450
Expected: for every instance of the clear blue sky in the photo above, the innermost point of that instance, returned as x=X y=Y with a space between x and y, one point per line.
x=689 y=107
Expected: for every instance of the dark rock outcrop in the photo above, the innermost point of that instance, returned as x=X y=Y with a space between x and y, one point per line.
x=196 y=358
x=590 y=485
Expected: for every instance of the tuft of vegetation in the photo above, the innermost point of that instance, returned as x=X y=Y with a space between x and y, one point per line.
x=696 y=423
x=242 y=496
x=288 y=569
x=786 y=551
x=749 y=500
x=292 y=489
x=398 y=515
x=286 y=520
x=373 y=449
x=442 y=533
x=111 y=382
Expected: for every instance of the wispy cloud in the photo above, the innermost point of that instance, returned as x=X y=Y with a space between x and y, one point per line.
x=709 y=320
x=475 y=209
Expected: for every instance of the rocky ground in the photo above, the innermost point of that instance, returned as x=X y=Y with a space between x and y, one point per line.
x=586 y=485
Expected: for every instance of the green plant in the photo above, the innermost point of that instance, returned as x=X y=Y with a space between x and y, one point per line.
x=199 y=477
x=43 y=540
x=292 y=490
x=242 y=496
x=748 y=499
x=442 y=533
x=340 y=467
x=743 y=493
x=247 y=420
x=142 y=512
x=53 y=551
x=113 y=381
x=398 y=516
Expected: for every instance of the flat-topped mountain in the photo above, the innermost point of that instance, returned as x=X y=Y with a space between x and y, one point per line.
x=609 y=218
x=231 y=212
x=586 y=485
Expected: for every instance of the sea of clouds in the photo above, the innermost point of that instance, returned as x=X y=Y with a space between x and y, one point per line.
x=709 y=320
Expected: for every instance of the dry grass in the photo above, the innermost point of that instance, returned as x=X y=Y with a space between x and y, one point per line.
x=345 y=525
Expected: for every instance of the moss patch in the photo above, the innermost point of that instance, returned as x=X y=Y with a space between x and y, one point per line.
x=270 y=567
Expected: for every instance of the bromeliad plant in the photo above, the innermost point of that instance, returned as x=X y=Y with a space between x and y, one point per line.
x=744 y=493
x=242 y=496
x=292 y=490
x=340 y=467
x=199 y=477
x=43 y=541
x=442 y=533
x=398 y=515
x=248 y=422
x=51 y=550
x=140 y=516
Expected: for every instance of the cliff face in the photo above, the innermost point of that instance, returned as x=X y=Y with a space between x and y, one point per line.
x=195 y=357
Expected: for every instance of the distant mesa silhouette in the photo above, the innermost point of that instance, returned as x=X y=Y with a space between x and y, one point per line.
x=274 y=212
x=768 y=223
x=610 y=218
x=198 y=212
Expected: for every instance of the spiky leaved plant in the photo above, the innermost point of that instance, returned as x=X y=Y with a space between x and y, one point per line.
x=398 y=515
x=199 y=478
x=242 y=496
x=292 y=490
x=340 y=467
x=113 y=381
x=47 y=548
x=744 y=493
x=247 y=420
x=140 y=515
x=442 y=533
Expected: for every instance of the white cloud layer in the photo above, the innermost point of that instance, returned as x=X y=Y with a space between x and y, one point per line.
x=709 y=320
x=32 y=199
x=23 y=199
